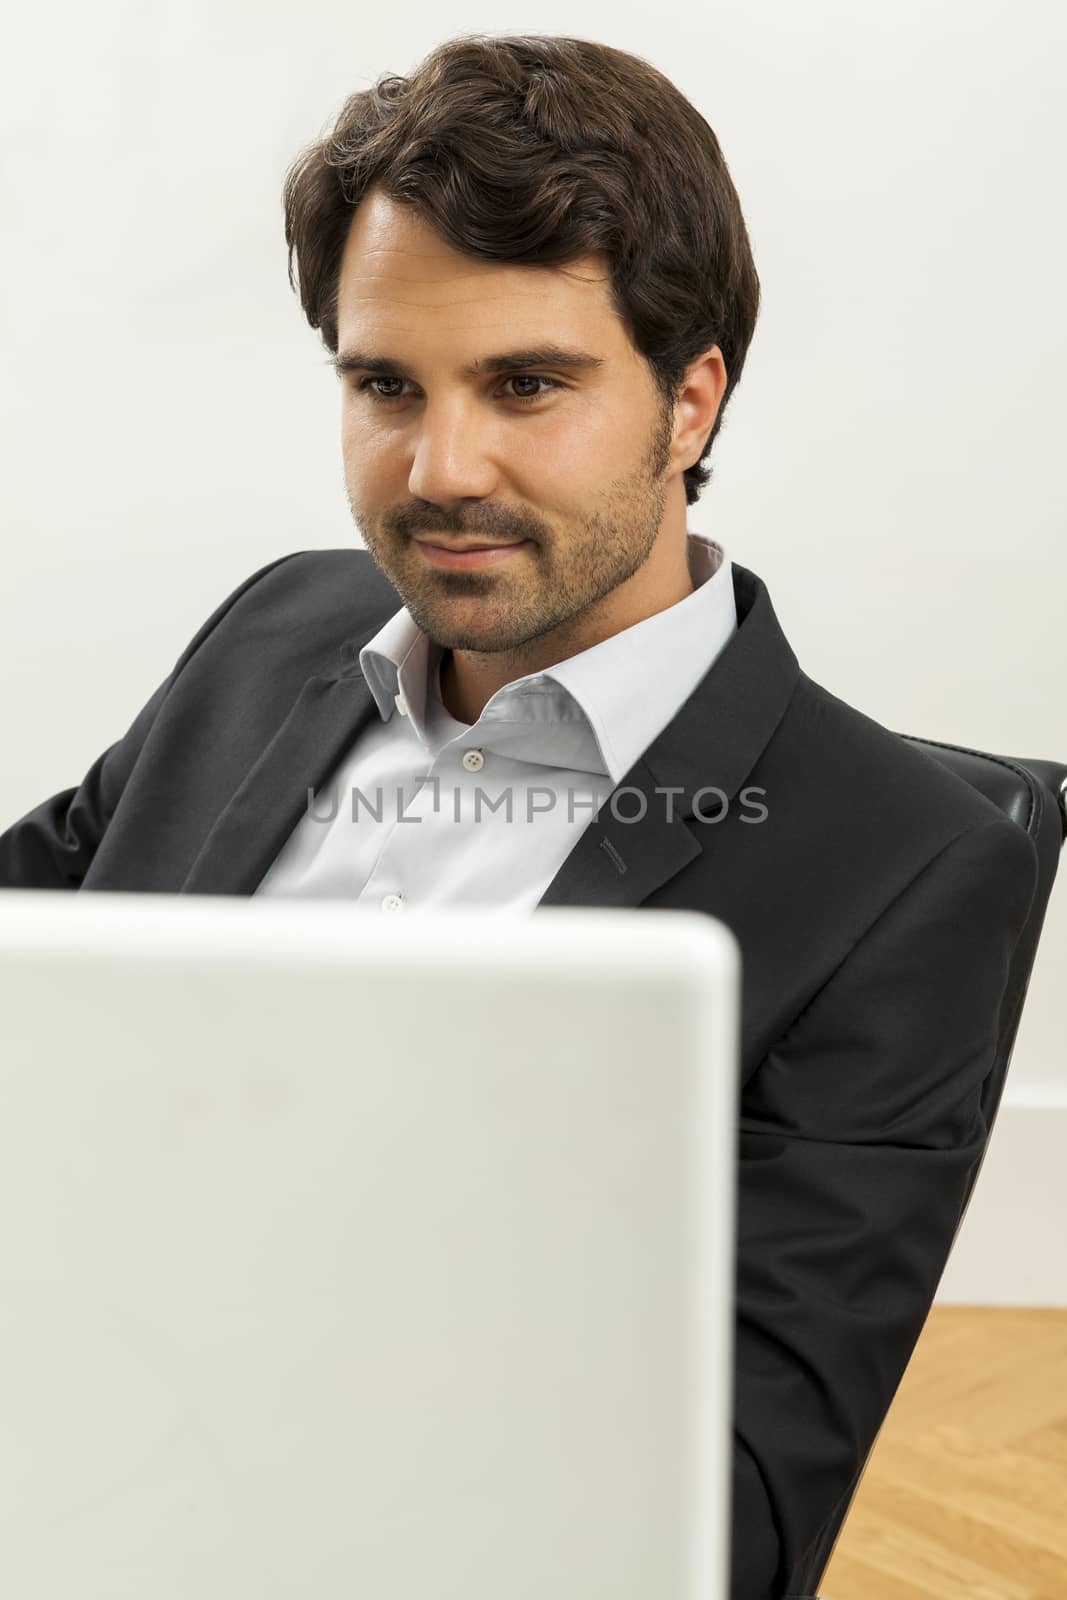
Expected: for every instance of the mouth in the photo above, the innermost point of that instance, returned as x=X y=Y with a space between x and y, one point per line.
x=468 y=555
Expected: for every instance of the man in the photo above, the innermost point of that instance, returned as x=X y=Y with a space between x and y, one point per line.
x=530 y=268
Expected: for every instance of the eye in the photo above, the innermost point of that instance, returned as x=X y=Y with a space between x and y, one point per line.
x=365 y=385
x=531 y=377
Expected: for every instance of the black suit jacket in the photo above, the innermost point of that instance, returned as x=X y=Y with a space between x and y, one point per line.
x=876 y=906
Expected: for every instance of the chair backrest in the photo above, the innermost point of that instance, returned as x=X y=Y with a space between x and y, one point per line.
x=1034 y=794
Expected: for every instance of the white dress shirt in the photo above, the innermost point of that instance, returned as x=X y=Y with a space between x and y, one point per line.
x=424 y=810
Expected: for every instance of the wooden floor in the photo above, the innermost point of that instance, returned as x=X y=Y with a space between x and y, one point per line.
x=965 y=1494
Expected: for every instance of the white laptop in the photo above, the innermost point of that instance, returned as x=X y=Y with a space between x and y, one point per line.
x=344 y=1255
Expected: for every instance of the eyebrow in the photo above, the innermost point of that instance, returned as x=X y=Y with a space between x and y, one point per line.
x=547 y=355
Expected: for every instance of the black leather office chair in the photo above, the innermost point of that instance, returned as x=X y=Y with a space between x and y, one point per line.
x=1034 y=794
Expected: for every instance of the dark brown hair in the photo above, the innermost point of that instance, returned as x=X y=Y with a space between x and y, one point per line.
x=539 y=150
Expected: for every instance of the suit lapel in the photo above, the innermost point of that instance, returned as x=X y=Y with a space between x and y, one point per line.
x=636 y=843
x=695 y=766
x=328 y=715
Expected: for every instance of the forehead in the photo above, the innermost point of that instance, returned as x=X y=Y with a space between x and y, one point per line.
x=396 y=269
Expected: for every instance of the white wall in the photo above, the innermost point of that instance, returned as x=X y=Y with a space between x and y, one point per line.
x=891 y=465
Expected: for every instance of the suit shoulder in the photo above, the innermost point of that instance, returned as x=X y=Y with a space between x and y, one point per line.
x=292 y=616
x=892 y=770
x=349 y=577
x=328 y=594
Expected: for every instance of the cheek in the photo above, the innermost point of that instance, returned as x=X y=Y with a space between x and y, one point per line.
x=371 y=464
x=587 y=447
x=556 y=460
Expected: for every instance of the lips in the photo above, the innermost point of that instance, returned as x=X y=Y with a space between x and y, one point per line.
x=492 y=544
x=471 y=557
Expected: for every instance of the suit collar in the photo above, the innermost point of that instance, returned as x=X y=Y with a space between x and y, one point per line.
x=713 y=742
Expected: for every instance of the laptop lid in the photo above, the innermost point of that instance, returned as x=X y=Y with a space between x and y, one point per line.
x=364 y=1255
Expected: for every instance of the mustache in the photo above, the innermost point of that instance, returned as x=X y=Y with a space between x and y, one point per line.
x=474 y=527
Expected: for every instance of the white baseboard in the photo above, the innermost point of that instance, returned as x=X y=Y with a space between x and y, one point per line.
x=1010 y=1250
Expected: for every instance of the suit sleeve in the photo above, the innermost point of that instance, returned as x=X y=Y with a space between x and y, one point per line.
x=52 y=846
x=858 y=1133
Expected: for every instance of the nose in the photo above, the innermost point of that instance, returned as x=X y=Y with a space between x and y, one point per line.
x=452 y=457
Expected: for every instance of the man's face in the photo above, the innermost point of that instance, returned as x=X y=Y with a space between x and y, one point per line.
x=580 y=473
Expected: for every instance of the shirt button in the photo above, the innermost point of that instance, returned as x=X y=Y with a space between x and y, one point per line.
x=473 y=760
x=392 y=902
x=401 y=705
